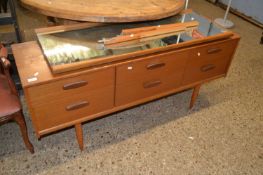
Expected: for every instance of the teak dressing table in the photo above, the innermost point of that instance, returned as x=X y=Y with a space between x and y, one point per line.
x=64 y=93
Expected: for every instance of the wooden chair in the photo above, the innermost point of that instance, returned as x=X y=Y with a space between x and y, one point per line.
x=10 y=106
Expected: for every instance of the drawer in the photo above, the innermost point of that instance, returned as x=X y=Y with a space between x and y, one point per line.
x=68 y=87
x=147 y=77
x=67 y=109
x=209 y=61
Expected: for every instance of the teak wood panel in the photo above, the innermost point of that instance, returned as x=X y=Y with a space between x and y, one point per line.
x=68 y=109
x=81 y=84
x=70 y=99
x=140 y=79
x=209 y=60
x=29 y=59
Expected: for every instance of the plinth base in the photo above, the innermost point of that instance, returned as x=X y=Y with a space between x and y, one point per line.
x=224 y=23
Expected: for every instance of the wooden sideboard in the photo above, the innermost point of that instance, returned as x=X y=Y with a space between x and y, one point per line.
x=57 y=101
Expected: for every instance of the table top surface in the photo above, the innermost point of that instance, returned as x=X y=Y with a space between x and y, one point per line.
x=33 y=68
x=106 y=10
x=33 y=62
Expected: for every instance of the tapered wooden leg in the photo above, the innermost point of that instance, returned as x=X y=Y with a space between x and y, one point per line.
x=20 y=120
x=194 y=95
x=79 y=135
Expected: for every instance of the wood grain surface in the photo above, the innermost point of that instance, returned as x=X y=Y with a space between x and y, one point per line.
x=105 y=10
x=30 y=60
x=152 y=75
x=126 y=83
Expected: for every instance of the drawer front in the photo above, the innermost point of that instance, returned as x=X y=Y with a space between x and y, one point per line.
x=60 y=111
x=150 y=76
x=70 y=99
x=209 y=61
x=86 y=83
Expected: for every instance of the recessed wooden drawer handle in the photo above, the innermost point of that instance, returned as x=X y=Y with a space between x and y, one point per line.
x=77 y=105
x=75 y=85
x=214 y=50
x=152 y=84
x=155 y=66
x=208 y=67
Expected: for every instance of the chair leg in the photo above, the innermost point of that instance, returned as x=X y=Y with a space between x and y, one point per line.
x=20 y=120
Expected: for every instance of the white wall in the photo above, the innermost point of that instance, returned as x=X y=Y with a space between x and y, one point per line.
x=252 y=8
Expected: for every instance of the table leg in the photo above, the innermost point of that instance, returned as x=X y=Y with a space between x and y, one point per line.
x=194 y=95
x=79 y=135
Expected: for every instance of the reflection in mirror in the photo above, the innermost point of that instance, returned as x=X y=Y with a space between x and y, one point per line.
x=83 y=44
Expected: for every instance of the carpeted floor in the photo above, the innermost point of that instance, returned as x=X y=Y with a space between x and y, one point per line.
x=223 y=134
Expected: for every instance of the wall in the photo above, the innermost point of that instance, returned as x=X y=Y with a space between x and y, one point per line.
x=251 y=8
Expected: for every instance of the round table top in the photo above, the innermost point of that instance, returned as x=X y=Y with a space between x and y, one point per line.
x=106 y=10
